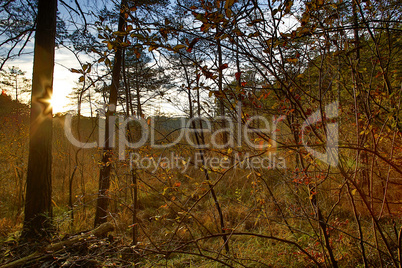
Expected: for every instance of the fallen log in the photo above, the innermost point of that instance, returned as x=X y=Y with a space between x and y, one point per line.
x=100 y=231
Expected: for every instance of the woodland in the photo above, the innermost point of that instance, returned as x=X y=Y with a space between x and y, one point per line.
x=285 y=149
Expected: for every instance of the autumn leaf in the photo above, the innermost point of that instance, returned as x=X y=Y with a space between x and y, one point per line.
x=223 y=66
x=198 y=16
x=207 y=73
x=254 y=22
x=152 y=47
x=191 y=45
x=137 y=54
x=228 y=13
x=178 y=47
x=164 y=33
x=238 y=32
x=229 y=3
x=205 y=27
x=237 y=75
x=75 y=71
x=292 y=60
x=289 y=5
x=109 y=46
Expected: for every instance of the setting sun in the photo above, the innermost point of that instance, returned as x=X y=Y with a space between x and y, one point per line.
x=58 y=103
x=59 y=99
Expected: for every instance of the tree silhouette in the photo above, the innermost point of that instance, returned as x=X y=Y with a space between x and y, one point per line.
x=38 y=209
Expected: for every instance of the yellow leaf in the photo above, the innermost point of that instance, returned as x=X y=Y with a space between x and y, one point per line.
x=75 y=71
x=152 y=48
x=179 y=47
x=229 y=3
x=228 y=13
x=292 y=60
x=354 y=191
x=187 y=176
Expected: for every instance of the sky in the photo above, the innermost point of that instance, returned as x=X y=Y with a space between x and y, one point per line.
x=64 y=80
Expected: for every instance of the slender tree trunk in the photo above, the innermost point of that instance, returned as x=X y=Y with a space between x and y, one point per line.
x=135 y=206
x=201 y=141
x=104 y=176
x=137 y=90
x=138 y=98
x=38 y=209
x=126 y=85
x=221 y=103
x=360 y=108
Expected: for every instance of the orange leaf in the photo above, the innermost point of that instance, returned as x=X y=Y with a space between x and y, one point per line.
x=223 y=66
x=191 y=45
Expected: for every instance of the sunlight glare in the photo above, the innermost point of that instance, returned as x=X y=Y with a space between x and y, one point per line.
x=58 y=103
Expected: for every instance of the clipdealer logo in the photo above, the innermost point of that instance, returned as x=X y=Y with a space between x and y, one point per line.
x=238 y=135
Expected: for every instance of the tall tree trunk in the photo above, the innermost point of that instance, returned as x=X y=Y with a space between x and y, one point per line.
x=104 y=174
x=38 y=209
